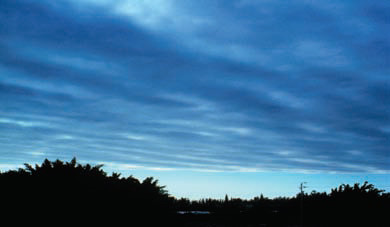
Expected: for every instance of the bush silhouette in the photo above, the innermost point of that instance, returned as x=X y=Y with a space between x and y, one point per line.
x=61 y=190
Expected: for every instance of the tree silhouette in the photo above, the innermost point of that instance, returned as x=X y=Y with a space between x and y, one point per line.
x=69 y=189
x=58 y=191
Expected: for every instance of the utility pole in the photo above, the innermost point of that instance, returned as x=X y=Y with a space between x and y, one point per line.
x=301 y=187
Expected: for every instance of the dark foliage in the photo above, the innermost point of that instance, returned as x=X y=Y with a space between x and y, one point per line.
x=357 y=205
x=70 y=193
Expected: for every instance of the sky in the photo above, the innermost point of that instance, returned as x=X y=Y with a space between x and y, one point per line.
x=213 y=97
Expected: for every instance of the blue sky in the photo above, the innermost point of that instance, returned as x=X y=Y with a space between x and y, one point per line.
x=225 y=93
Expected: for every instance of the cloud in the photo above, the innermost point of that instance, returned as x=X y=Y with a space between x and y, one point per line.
x=242 y=86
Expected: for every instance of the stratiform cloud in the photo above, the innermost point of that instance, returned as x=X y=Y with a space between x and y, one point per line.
x=299 y=86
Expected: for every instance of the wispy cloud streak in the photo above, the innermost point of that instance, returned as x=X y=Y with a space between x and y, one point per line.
x=245 y=86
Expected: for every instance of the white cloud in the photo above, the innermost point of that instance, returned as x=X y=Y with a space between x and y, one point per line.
x=22 y=123
x=135 y=136
x=151 y=13
x=36 y=153
x=64 y=137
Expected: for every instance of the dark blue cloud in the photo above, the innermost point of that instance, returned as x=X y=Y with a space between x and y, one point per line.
x=202 y=85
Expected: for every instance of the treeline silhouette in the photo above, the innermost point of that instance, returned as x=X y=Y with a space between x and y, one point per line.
x=346 y=205
x=70 y=192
